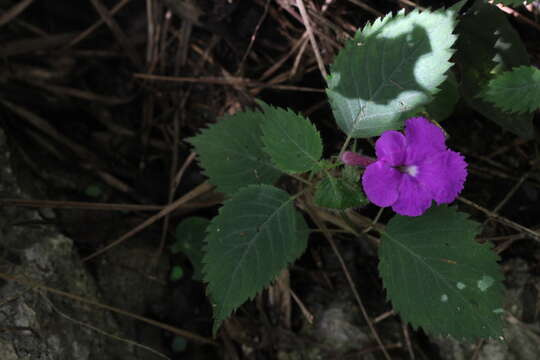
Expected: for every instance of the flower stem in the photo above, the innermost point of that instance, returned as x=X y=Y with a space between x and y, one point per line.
x=377 y=217
x=344 y=147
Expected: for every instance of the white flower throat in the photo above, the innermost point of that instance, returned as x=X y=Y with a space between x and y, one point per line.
x=411 y=170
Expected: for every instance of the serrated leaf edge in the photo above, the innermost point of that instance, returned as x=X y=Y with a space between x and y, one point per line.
x=210 y=229
x=487 y=93
x=203 y=132
x=404 y=316
x=379 y=22
x=266 y=148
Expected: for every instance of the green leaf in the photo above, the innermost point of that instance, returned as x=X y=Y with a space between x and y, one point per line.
x=326 y=164
x=190 y=235
x=389 y=69
x=439 y=278
x=515 y=91
x=292 y=141
x=488 y=45
x=335 y=193
x=179 y=344
x=351 y=174
x=445 y=100
x=255 y=236
x=458 y=6
x=231 y=152
x=94 y=191
x=176 y=273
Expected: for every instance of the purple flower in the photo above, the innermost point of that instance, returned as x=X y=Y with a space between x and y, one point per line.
x=414 y=168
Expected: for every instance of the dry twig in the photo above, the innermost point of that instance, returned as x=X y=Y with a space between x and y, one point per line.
x=14 y=11
x=307 y=24
x=86 y=33
x=517 y=15
x=121 y=37
x=103 y=332
x=231 y=81
x=501 y=219
x=330 y=240
x=199 y=190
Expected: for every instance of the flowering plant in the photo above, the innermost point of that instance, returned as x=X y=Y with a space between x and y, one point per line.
x=413 y=169
x=395 y=73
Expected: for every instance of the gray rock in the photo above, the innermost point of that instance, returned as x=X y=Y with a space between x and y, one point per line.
x=336 y=325
x=337 y=330
x=129 y=279
x=36 y=324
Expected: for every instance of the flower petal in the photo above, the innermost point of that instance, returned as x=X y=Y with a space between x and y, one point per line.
x=413 y=199
x=443 y=174
x=381 y=183
x=423 y=139
x=391 y=148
